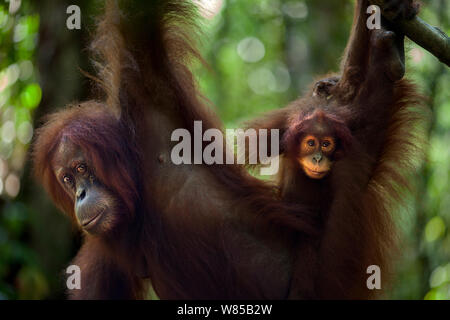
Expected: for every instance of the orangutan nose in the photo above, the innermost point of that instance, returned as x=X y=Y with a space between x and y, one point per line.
x=81 y=194
x=317 y=158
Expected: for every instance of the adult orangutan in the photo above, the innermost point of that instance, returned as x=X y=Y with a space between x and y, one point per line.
x=203 y=231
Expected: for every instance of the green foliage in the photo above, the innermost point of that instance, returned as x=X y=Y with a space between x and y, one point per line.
x=21 y=275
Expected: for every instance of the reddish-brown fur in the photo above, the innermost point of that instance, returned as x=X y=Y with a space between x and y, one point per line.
x=92 y=127
x=356 y=200
x=306 y=123
x=195 y=231
x=202 y=231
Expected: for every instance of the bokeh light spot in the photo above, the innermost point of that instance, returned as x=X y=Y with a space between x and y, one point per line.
x=12 y=185
x=440 y=275
x=31 y=96
x=283 y=79
x=261 y=80
x=295 y=9
x=26 y=70
x=434 y=229
x=14 y=6
x=8 y=131
x=25 y=132
x=12 y=74
x=251 y=49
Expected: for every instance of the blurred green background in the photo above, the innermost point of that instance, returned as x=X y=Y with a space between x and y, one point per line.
x=263 y=54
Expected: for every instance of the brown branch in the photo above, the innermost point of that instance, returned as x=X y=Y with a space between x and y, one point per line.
x=431 y=38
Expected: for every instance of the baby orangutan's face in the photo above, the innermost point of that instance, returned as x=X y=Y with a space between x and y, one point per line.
x=315 y=155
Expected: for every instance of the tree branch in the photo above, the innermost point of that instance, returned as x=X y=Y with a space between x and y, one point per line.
x=428 y=37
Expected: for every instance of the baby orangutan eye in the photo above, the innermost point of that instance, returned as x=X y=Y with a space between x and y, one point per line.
x=310 y=143
x=326 y=144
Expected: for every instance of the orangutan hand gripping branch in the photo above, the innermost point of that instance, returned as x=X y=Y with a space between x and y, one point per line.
x=214 y=231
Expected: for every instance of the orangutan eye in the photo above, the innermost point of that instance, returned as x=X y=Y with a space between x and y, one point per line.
x=67 y=179
x=310 y=143
x=325 y=144
x=81 y=168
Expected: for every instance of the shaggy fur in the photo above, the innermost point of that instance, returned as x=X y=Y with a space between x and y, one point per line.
x=195 y=231
x=199 y=231
x=367 y=185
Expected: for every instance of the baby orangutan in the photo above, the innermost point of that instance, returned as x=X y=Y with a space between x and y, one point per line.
x=347 y=149
x=316 y=142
